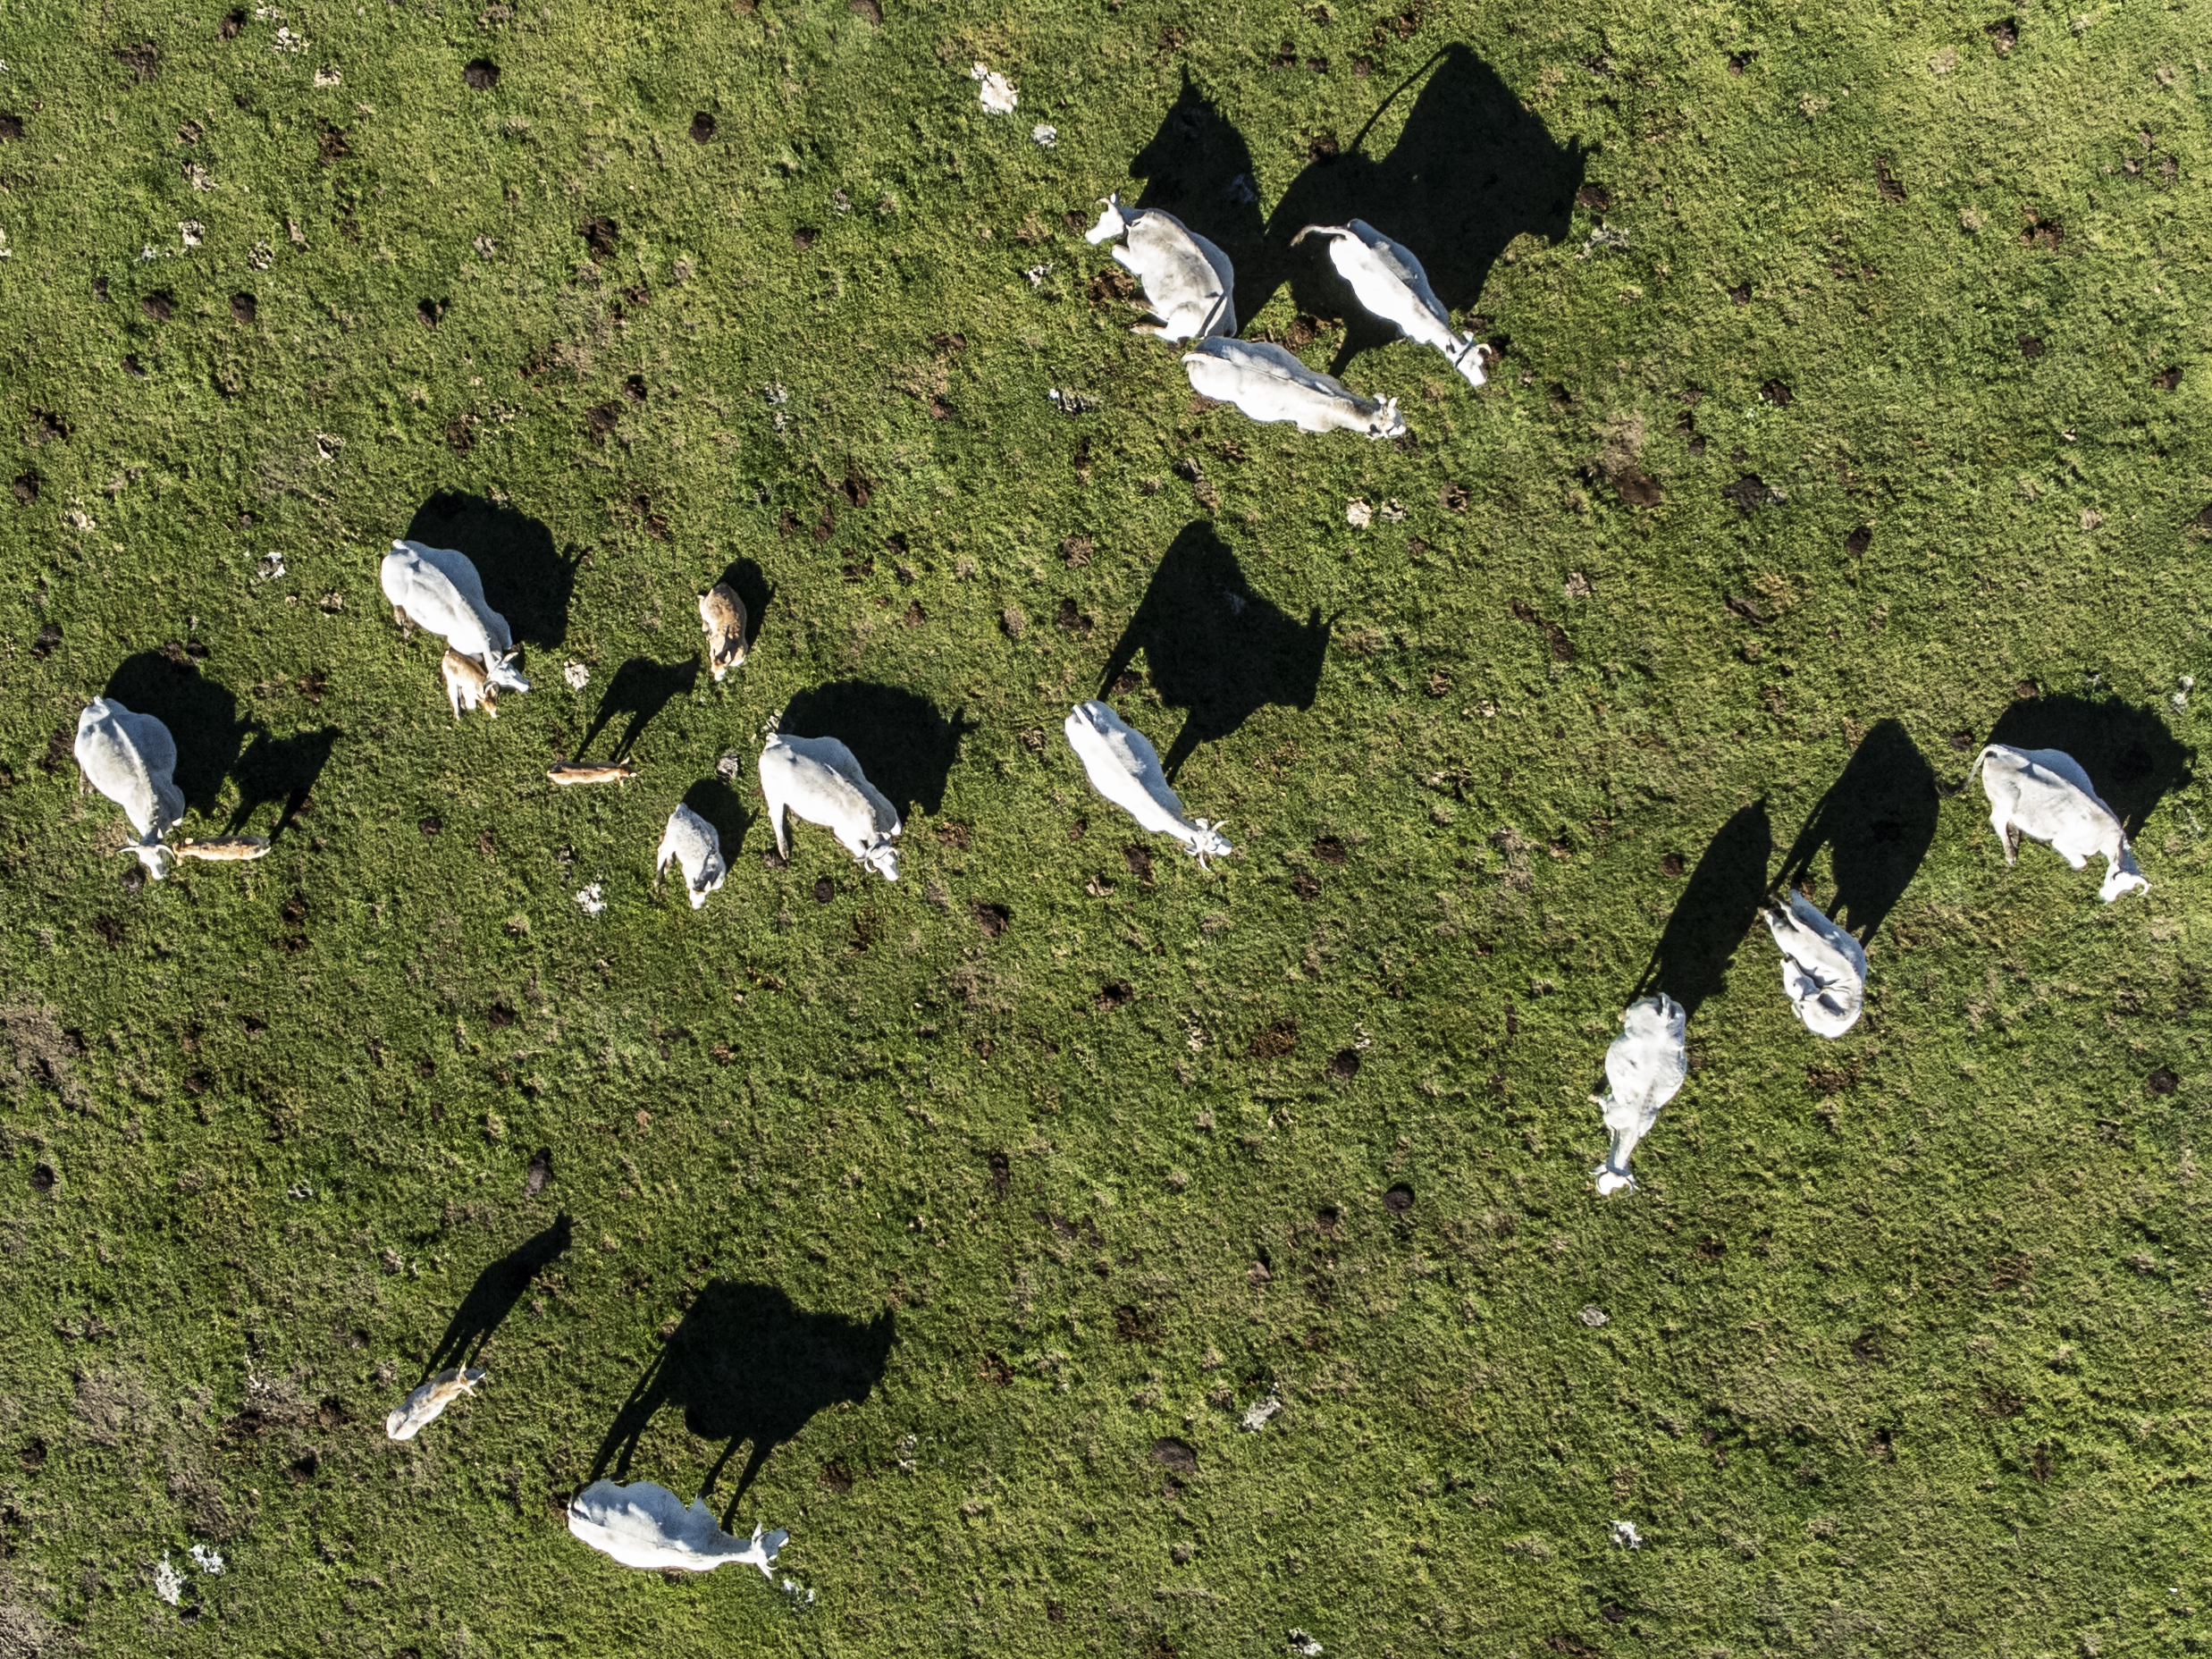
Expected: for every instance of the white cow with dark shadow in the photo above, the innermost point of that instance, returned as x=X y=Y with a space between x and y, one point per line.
x=1644 y=1068
x=439 y=590
x=1389 y=281
x=819 y=780
x=696 y=847
x=1124 y=767
x=1823 y=967
x=1188 y=282
x=2044 y=795
x=132 y=760
x=1269 y=384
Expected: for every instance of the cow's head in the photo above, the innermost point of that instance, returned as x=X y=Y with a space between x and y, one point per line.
x=882 y=857
x=1386 y=422
x=2123 y=875
x=499 y=670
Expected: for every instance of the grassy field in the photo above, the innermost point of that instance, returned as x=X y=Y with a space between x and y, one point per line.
x=1851 y=407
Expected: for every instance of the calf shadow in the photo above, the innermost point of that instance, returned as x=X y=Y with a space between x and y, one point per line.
x=902 y=743
x=743 y=579
x=640 y=688
x=1716 y=910
x=1472 y=168
x=1213 y=647
x=525 y=579
x=718 y=803
x=1878 y=821
x=2131 y=756
x=493 y=1297
x=745 y=1366
x=1193 y=168
x=281 y=768
x=201 y=715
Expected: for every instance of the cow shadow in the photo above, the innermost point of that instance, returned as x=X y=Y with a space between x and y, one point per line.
x=640 y=688
x=1716 y=910
x=1198 y=167
x=2131 y=756
x=718 y=803
x=743 y=579
x=201 y=715
x=1472 y=168
x=747 y=1367
x=903 y=744
x=1213 y=647
x=1878 y=821
x=281 y=768
x=493 y=1297
x=525 y=579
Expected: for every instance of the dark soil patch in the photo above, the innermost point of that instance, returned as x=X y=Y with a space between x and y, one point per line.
x=1562 y=647
x=805 y=237
x=1596 y=198
x=1110 y=288
x=1277 y=1040
x=1452 y=498
x=1329 y=850
x=2161 y=1081
x=1175 y=1454
x=1638 y=487
x=1749 y=492
x=499 y=1016
x=132 y=367
x=431 y=826
x=1859 y=540
x=108 y=928
x=11 y=128
x=599 y=234
x=49 y=636
x=1776 y=393
x=991 y=918
x=702 y=128
x=60 y=746
x=294 y=911
x=25 y=490
x=161 y=305
x=1399 y=1199
x=481 y=75
x=994 y=1369
x=233 y=22
x=2171 y=381
x=1075 y=551
x=1001 y=1169
x=1305 y=884
x=1138 y=858
x=1344 y=1065
x=2042 y=234
x=1886 y=181
x=837 y=1477
x=32 y=1456
x=430 y=312
x=2003 y=36
x=867 y=9
x=601 y=419
x=244 y=309
x=459 y=436
x=1327 y=1217
x=1073 y=619
x=1741 y=293
x=2010 y=1272
x=950 y=832
x=330 y=143
x=540 y=1172
x=43 y=1179
x=825 y=890
x=2031 y=348
x=1114 y=994
x=1137 y=1325
x=142 y=61
x=633 y=388
x=1738 y=61
x=303 y=1468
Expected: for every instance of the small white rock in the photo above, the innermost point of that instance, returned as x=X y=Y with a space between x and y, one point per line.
x=590 y=900
x=1392 y=512
x=271 y=567
x=1256 y=1414
x=1359 y=515
x=326 y=76
x=1037 y=274
x=1626 y=1534
x=168 y=1582
x=209 y=1561
x=995 y=93
x=1301 y=1643
x=1044 y=134
x=578 y=675
x=1595 y=1316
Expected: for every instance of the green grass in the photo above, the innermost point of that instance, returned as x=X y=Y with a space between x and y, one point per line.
x=1906 y=1335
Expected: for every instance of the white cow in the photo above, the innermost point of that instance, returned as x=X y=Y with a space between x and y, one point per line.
x=1644 y=1068
x=1389 y=283
x=1269 y=384
x=648 y=1526
x=2045 y=794
x=697 y=849
x=1823 y=967
x=439 y=590
x=818 y=779
x=130 y=758
x=1188 y=282
x=1125 y=768
x=427 y=1403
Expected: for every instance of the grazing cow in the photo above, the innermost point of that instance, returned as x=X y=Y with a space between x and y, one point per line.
x=697 y=849
x=2045 y=794
x=722 y=616
x=818 y=779
x=1188 y=282
x=225 y=849
x=428 y=1402
x=439 y=590
x=1125 y=768
x=1269 y=384
x=588 y=772
x=1823 y=967
x=1391 y=284
x=647 y=1526
x=1644 y=1067
x=466 y=685
x=131 y=758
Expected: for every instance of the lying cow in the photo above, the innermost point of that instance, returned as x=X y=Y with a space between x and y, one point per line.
x=131 y=760
x=1125 y=768
x=1823 y=967
x=1389 y=283
x=1644 y=1068
x=1269 y=384
x=1188 y=282
x=818 y=779
x=440 y=591
x=2044 y=795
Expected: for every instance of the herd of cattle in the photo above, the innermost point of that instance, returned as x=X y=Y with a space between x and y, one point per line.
x=130 y=757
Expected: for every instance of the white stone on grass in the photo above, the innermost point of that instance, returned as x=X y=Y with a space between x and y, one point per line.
x=168 y=1582
x=1359 y=515
x=994 y=91
x=1624 y=1533
x=208 y=1560
x=576 y=674
x=1045 y=134
x=649 y=1527
x=590 y=900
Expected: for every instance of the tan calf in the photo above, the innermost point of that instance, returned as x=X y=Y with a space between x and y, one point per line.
x=466 y=685
x=586 y=771
x=722 y=614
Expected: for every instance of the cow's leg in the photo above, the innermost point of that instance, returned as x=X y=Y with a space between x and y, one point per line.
x=2000 y=821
